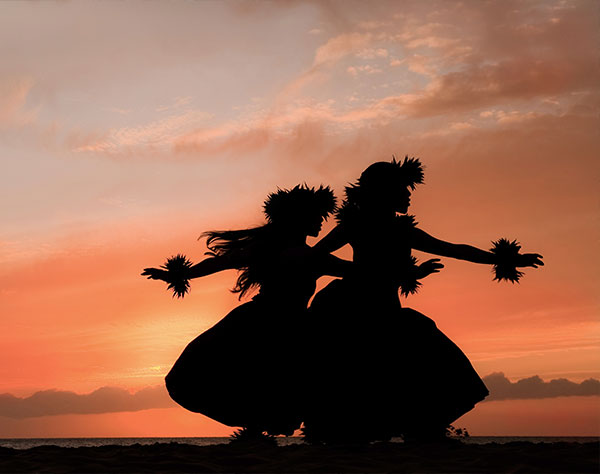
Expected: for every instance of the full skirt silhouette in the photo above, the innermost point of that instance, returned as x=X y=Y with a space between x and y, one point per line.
x=380 y=370
x=243 y=372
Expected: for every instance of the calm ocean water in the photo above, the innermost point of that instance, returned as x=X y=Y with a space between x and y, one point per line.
x=26 y=443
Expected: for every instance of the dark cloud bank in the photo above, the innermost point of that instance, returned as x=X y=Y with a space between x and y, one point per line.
x=112 y=399
x=534 y=387
x=103 y=400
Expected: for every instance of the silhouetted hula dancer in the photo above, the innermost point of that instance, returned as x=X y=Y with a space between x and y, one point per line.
x=246 y=371
x=381 y=370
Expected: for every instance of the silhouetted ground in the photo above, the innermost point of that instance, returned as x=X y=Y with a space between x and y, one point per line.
x=517 y=457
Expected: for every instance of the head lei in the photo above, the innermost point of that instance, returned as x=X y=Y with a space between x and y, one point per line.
x=286 y=204
x=407 y=173
x=247 y=246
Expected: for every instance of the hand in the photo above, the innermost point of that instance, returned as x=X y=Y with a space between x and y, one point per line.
x=155 y=274
x=430 y=266
x=529 y=260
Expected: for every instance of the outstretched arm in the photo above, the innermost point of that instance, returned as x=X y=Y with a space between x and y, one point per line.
x=426 y=243
x=208 y=266
x=211 y=265
x=179 y=270
x=334 y=266
x=333 y=241
x=423 y=241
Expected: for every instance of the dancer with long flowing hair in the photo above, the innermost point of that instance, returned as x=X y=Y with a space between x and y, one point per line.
x=381 y=370
x=246 y=370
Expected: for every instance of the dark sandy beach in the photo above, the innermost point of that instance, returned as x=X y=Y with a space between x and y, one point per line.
x=382 y=457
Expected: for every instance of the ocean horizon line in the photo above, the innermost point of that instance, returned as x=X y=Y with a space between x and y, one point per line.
x=279 y=437
x=88 y=442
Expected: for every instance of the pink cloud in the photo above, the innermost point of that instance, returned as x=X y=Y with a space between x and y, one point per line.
x=373 y=53
x=515 y=116
x=13 y=97
x=158 y=135
x=482 y=86
x=432 y=42
x=367 y=69
x=326 y=56
x=420 y=64
x=340 y=46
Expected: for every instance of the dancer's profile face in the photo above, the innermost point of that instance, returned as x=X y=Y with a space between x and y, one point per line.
x=402 y=200
x=391 y=196
x=305 y=225
x=313 y=226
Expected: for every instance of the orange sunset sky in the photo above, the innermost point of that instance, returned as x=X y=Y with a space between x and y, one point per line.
x=128 y=128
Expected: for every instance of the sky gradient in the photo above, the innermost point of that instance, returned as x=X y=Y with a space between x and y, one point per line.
x=129 y=128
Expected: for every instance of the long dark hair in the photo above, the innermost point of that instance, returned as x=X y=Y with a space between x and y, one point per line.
x=247 y=249
x=252 y=251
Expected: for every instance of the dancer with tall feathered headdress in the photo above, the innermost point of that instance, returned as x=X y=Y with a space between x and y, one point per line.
x=382 y=370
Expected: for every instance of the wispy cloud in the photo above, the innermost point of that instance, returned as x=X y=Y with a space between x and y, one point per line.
x=485 y=85
x=158 y=135
x=341 y=46
x=367 y=69
x=326 y=57
x=13 y=97
x=463 y=69
x=177 y=103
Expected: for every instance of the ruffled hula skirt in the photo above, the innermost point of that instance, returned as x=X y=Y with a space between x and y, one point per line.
x=379 y=370
x=243 y=371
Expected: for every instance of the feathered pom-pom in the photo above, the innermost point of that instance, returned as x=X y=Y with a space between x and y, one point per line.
x=178 y=277
x=506 y=253
x=409 y=287
x=409 y=284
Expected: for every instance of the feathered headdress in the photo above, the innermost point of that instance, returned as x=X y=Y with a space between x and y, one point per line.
x=285 y=204
x=407 y=173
